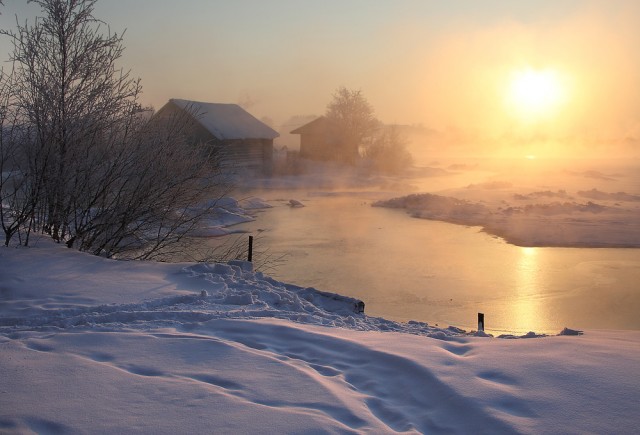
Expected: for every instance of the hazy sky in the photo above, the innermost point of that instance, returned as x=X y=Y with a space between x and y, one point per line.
x=448 y=65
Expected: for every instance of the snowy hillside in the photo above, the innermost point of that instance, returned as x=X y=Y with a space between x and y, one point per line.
x=94 y=345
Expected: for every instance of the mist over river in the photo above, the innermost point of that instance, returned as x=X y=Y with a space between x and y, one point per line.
x=415 y=269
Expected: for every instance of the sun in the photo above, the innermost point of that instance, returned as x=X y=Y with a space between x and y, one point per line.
x=535 y=94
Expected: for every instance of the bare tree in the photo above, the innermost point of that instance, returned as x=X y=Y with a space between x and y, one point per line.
x=164 y=186
x=11 y=180
x=98 y=175
x=387 y=151
x=70 y=90
x=352 y=121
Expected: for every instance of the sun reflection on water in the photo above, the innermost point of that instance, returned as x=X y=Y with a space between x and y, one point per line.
x=527 y=307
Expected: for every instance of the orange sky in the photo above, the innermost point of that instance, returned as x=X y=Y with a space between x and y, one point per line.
x=445 y=65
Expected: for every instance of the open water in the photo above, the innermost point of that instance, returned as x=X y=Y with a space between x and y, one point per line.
x=413 y=269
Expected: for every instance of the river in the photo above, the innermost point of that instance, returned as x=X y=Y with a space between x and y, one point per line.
x=414 y=269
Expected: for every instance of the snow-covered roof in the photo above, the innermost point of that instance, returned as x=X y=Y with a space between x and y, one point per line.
x=227 y=121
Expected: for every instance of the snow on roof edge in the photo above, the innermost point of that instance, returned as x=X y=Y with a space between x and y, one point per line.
x=227 y=120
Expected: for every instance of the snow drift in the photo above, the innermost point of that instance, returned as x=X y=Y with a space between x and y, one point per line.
x=95 y=345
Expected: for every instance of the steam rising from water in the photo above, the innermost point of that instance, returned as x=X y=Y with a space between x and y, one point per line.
x=432 y=271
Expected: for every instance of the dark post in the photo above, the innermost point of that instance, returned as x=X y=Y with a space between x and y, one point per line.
x=250 y=256
x=480 y=321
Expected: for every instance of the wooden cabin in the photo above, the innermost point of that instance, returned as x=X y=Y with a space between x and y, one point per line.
x=318 y=141
x=323 y=140
x=245 y=143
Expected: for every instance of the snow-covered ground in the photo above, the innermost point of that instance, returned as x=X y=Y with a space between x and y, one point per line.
x=90 y=345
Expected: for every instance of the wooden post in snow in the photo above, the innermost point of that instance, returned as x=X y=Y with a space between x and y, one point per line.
x=250 y=255
x=480 y=321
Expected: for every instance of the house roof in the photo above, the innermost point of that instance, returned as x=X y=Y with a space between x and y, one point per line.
x=227 y=121
x=316 y=126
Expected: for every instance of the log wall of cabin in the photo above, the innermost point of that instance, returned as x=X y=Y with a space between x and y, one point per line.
x=247 y=154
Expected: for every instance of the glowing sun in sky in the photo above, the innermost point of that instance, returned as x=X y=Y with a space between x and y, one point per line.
x=533 y=94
